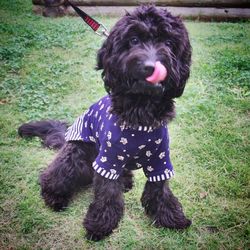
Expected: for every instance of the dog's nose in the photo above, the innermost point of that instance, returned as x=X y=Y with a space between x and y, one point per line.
x=148 y=68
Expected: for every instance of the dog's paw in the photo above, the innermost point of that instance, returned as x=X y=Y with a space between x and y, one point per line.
x=55 y=202
x=172 y=221
x=97 y=236
x=97 y=226
x=101 y=219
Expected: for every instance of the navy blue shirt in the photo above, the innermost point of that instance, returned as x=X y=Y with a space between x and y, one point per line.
x=121 y=146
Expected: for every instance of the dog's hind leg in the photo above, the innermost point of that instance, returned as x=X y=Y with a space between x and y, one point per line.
x=70 y=170
x=163 y=207
x=106 y=210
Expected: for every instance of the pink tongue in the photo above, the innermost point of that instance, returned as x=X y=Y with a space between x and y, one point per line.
x=159 y=74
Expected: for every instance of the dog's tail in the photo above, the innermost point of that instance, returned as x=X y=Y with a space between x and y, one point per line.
x=50 y=131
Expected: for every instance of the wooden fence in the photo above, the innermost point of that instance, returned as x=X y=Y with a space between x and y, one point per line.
x=217 y=10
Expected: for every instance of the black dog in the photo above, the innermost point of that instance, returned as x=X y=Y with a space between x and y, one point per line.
x=145 y=62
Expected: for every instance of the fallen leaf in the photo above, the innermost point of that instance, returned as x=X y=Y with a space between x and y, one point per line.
x=203 y=195
x=3 y=101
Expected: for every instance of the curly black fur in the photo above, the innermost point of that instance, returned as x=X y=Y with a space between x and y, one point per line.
x=106 y=210
x=127 y=180
x=139 y=39
x=51 y=132
x=163 y=207
x=160 y=36
x=71 y=169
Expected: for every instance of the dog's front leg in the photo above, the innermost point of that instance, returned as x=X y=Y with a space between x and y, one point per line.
x=163 y=207
x=106 y=210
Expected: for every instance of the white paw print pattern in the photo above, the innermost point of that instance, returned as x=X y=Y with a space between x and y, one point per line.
x=102 y=106
x=92 y=139
x=103 y=159
x=138 y=165
x=120 y=157
x=112 y=171
x=109 y=144
x=166 y=171
x=158 y=141
x=91 y=126
x=124 y=141
x=162 y=155
x=142 y=146
x=148 y=153
x=150 y=168
x=109 y=135
x=86 y=124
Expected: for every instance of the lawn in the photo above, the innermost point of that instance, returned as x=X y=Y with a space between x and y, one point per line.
x=47 y=71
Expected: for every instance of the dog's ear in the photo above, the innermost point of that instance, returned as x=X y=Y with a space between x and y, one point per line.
x=101 y=55
x=182 y=52
x=104 y=52
x=184 y=66
x=183 y=56
x=104 y=63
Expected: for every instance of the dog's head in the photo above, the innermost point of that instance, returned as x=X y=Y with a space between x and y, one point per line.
x=143 y=47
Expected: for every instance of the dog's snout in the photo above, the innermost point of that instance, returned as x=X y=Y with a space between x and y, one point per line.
x=148 y=68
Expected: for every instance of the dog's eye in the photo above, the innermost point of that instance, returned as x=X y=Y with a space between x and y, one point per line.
x=134 y=40
x=168 y=43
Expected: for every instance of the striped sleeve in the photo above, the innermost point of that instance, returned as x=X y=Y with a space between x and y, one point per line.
x=74 y=132
x=167 y=174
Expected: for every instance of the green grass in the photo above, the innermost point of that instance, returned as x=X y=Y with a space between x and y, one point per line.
x=47 y=71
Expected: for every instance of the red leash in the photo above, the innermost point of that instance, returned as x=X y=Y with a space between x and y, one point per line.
x=98 y=27
x=94 y=25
